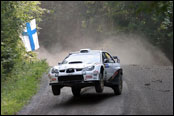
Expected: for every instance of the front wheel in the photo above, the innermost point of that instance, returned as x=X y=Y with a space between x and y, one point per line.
x=56 y=89
x=99 y=85
x=118 y=88
x=76 y=91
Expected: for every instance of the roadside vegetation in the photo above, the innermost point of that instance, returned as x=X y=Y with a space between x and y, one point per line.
x=21 y=71
x=18 y=87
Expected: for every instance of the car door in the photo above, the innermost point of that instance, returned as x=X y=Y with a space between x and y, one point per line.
x=108 y=63
x=116 y=65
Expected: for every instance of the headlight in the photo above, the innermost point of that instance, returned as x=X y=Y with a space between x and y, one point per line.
x=89 y=68
x=54 y=71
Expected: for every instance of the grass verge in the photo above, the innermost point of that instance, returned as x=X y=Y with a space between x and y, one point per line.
x=18 y=87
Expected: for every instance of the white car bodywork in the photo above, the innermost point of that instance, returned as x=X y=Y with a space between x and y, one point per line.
x=87 y=68
x=84 y=61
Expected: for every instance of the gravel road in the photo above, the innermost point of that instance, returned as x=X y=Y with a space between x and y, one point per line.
x=146 y=90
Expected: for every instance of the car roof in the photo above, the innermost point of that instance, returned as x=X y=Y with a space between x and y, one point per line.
x=86 y=51
x=80 y=53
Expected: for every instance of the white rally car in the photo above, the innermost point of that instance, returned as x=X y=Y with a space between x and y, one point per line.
x=87 y=68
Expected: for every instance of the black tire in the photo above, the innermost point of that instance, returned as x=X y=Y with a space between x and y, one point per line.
x=56 y=89
x=118 y=88
x=99 y=85
x=76 y=91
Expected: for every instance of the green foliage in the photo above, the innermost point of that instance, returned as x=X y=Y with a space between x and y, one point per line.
x=20 y=70
x=154 y=19
x=2 y=71
x=14 y=14
x=18 y=88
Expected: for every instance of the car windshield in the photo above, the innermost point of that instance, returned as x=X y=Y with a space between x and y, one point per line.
x=82 y=58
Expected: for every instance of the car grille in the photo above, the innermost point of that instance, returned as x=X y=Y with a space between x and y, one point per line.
x=62 y=70
x=71 y=78
x=79 y=69
x=70 y=70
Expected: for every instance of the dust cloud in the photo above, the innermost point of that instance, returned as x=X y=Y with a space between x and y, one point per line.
x=61 y=33
x=131 y=49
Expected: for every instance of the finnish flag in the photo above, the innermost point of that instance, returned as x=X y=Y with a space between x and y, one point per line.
x=30 y=37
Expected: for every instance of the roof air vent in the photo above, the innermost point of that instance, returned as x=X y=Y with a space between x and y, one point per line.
x=84 y=50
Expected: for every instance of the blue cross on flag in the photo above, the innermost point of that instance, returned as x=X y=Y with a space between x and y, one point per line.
x=30 y=37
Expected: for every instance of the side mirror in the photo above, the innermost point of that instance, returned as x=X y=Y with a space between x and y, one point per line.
x=59 y=63
x=115 y=57
x=118 y=60
x=105 y=60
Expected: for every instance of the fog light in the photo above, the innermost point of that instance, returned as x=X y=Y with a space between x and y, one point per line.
x=53 y=79
x=88 y=76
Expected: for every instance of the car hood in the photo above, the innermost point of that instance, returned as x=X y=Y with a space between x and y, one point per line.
x=66 y=66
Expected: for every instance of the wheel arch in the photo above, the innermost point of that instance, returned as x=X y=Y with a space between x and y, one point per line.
x=102 y=70
x=121 y=71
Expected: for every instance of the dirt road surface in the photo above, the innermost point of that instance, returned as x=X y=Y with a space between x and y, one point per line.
x=146 y=90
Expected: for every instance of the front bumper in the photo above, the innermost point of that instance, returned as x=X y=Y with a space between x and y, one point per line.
x=83 y=83
x=74 y=79
x=75 y=83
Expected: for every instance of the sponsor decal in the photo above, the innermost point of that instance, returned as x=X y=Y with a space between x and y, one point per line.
x=114 y=74
x=106 y=65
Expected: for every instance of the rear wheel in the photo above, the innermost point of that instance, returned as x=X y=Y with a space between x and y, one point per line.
x=99 y=85
x=118 y=88
x=56 y=89
x=76 y=91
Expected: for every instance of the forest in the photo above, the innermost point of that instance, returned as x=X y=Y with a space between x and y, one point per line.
x=101 y=19
x=20 y=70
x=151 y=19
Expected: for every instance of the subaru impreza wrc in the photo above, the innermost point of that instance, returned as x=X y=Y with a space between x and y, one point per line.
x=87 y=68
